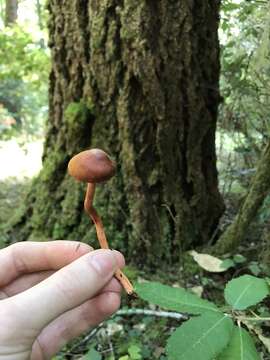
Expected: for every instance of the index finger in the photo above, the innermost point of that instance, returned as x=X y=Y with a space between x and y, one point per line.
x=26 y=257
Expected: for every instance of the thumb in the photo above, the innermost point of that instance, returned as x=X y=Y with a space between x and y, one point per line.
x=66 y=289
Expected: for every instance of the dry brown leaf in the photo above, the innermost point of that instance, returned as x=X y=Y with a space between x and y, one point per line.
x=208 y=262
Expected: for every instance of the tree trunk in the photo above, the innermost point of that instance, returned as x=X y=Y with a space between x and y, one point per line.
x=11 y=12
x=138 y=79
x=259 y=189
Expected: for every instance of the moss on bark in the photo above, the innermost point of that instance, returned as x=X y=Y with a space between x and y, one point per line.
x=258 y=190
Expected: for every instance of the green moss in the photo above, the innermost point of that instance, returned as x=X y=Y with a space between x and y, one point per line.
x=73 y=200
x=78 y=112
x=58 y=231
x=132 y=272
x=45 y=211
x=45 y=193
x=190 y=267
x=90 y=105
x=72 y=193
x=265 y=253
x=153 y=177
x=78 y=121
x=256 y=195
x=131 y=19
x=98 y=28
x=51 y=165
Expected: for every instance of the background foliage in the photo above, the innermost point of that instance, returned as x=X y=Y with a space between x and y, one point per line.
x=24 y=69
x=245 y=57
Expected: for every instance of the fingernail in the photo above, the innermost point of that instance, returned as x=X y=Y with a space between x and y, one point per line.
x=120 y=260
x=104 y=262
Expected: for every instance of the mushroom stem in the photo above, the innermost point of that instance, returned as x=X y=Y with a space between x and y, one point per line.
x=91 y=211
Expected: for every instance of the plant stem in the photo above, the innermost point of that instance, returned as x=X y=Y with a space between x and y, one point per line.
x=147 y=312
x=254 y=319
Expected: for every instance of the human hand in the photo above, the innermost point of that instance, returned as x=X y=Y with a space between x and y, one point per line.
x=50 y=293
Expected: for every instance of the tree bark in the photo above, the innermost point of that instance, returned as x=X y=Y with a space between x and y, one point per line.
x=258 y=190
x=11 y=13
x=138 y=79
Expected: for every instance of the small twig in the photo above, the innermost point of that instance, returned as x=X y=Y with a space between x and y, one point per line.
x=170 y=212
x=254 y=318
x=87 y=338
x=147 y=312
x=111 y=349
x=210 y=242
x=130 y=312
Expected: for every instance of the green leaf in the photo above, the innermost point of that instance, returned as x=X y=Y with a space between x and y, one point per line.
x=245 y=291
x=254 y=268
x=230 y=7
x=202 y=337
x=135 y=352
x=227 y=263
x=176 y=299
x=241 y=347
x=239 y=259
x=92 y=355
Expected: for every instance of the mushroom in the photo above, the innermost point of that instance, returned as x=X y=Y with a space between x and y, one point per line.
x=94 y=166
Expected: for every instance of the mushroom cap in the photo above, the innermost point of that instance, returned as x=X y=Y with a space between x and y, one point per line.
x=91 y=166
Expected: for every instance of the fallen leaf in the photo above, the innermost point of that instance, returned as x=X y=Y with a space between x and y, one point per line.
x=210 y=263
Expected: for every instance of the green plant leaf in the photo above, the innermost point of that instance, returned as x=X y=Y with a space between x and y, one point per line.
x=92 y=355
x=227 y=263
x=135 y=352
x=230 y=7
x=240 y=347
x=254 y=268
x=202 y=337
x=245 y=291
x=176 y=299
x=239 y=259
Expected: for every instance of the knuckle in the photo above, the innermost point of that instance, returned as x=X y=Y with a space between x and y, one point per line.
x=19 y=264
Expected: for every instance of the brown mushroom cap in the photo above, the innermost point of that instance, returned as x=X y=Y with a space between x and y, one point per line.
x=92 y=166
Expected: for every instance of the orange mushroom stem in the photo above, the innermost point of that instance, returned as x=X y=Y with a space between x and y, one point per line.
x=94 y=166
